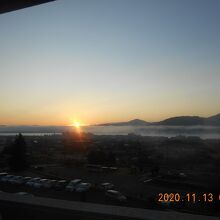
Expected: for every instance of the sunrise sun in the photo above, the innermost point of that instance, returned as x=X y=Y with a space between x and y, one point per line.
x=77 y=124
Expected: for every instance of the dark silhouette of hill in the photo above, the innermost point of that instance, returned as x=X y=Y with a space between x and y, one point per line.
x=135 y=122
x=173 y=121
x=213 y=120
x=183 y=120
x=191 y=121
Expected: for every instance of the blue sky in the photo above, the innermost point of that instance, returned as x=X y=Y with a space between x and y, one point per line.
x=109 y=60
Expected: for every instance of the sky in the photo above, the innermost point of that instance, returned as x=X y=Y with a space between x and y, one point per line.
x=96 y=61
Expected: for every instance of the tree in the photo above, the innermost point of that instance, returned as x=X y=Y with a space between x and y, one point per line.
x=18 y=158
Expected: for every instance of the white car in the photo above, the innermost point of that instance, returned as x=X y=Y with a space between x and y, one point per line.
x=72 y=185
x=83 y=187
x=106 y=186
x=115 y=195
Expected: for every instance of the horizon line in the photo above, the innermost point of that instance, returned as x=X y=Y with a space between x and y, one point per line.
x=85 y=125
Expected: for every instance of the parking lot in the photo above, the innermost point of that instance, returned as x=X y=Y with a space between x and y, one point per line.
x=95 y=194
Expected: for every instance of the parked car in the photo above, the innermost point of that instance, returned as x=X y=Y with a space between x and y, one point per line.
x=53 y=183
x=60 y=184
x=40 y=183
x=49 y=184
x=12 y=179
x=20 y=180
x=2 y=175
x=71 y=186
x=26 y=179
x=6 y=178
x=106 y=186
x=32 y=181
x=83 y=187
x=17 y=180
x=115 y=195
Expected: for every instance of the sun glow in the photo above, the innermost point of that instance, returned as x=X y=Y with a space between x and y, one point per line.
x=76 y=124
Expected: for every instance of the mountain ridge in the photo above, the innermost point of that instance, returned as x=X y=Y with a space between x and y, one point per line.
x=133 y=122
x=172 y=121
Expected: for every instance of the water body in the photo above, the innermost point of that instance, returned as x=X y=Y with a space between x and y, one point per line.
x=204 y=132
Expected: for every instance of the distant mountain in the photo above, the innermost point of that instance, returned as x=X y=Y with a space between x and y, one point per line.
x=213 y=120
x=191 y=121
x=135 y=122
x=174 y=121
x=182 y=120
x=215 y=117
